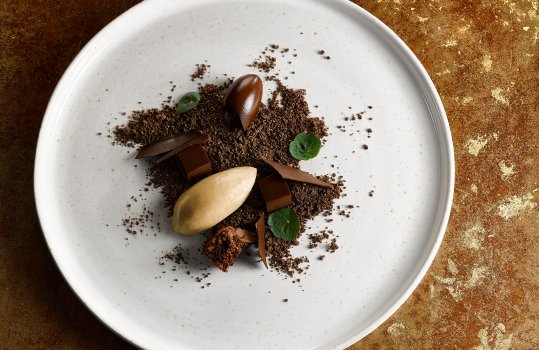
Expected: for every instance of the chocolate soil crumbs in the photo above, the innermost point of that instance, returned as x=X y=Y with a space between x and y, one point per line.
x=285 y=114
x=199 y=73
x=264 y=64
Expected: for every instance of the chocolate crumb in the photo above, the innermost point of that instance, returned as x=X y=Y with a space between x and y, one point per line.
x=265 y=64
x=199 y=73
x=333 y=246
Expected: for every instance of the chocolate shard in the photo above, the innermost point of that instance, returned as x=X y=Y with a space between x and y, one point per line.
x=226 y=245
x=261 y=235
x=244 y=98
x=275 y=192
x=202 y=139
x=294 y=174
x=195 y=162
x=171 y=143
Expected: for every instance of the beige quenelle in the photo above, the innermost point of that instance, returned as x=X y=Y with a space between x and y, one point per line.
x=212 y=199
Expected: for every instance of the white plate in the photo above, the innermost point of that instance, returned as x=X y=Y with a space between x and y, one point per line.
x=83 y=183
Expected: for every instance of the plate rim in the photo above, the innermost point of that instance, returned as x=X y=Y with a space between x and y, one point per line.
x=70 y=77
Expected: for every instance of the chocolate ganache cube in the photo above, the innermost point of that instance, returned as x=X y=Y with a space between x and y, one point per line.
x=195 y=162
x=275 y=192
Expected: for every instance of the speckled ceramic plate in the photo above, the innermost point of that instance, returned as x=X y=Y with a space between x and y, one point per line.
x=83 y=183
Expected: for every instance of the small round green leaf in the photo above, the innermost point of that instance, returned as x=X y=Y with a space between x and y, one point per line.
x=305 y=146
x=188 y=101
x=284 y=223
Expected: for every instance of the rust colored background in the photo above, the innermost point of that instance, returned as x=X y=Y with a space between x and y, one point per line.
x=481 y=292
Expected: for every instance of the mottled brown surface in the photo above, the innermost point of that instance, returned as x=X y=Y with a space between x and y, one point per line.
x=38 y=39
x=480 y=293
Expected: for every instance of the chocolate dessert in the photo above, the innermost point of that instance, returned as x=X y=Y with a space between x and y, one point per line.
x=227 y=126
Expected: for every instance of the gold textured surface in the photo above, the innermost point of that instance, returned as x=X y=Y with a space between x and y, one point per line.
x=481 y=293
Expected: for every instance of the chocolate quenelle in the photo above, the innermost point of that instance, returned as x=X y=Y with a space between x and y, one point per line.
x=243 y=99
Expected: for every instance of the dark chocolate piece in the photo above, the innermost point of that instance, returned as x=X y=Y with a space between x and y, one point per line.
x=261 y=235
x=195 y=162
x=275 y=192
x=202 y=139
x=294 y=174
x=226 y=245
x=171 y=143
x=243 y=98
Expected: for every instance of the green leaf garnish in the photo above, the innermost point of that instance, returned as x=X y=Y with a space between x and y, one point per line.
x=305 y=146
x=284 y=223
x=187 y=102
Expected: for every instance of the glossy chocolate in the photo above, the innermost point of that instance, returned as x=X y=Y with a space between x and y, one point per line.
x=261 y=237
x=195 y=162
x=203 y=138
x=275 y=192
x=171 y=143
x=294 y=174
x=243 y=98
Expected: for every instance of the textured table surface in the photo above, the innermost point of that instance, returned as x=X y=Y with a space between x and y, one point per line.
x=481 y=291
